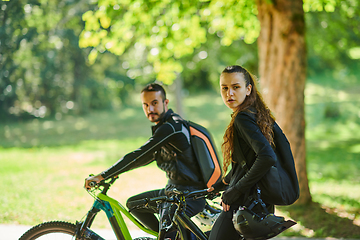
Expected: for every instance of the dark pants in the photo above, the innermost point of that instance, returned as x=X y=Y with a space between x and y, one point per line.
x=223 y=228
x=147 y=215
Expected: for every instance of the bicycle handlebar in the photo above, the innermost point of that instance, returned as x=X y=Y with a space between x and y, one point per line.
x=172 y=198
x=175 y=197
x=103 y=183
x=199 y=194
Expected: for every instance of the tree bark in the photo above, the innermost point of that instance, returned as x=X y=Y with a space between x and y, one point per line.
x=282 y=72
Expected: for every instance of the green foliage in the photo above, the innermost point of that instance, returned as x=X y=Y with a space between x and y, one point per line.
x=40 y=74
x=320 y=5
x=43 y=71
x=336 y=50
x=202 y=69
x=167 y=30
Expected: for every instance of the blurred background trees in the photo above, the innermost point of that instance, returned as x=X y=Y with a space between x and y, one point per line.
x=44 y=73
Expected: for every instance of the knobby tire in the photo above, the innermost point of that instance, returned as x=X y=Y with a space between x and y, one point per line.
x=48 y=230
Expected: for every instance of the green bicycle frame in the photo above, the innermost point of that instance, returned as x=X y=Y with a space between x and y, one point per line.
x=114 y=210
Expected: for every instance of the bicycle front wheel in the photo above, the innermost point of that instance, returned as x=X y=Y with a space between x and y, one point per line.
x=50 y=230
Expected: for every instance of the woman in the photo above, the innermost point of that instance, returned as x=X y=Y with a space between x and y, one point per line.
x=247 y=139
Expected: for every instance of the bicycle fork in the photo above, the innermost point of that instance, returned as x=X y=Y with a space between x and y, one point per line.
x=83 y=228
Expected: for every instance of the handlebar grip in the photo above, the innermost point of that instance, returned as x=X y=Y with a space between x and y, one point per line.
x=138 y=203
x=197 y=193
x=144 y=201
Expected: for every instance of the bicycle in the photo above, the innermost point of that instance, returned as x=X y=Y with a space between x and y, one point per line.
x=115 y=211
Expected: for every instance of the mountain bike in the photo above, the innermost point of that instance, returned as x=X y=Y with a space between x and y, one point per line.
x=114 y=211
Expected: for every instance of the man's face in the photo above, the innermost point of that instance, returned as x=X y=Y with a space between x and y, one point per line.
x=153 y=105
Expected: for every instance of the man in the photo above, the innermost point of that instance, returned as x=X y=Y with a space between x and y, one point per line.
x=170 y=147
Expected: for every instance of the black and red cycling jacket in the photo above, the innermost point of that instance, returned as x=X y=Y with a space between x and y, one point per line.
x=170 y=147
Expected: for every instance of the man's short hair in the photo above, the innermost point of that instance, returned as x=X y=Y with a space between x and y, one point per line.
x=154 y=87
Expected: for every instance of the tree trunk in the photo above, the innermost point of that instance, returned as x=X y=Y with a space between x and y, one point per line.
x=80 y=94
x=282 y=72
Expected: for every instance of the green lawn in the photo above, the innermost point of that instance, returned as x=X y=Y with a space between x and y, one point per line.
x=44 y=162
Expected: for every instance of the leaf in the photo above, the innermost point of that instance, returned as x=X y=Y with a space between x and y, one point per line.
x=92 y=56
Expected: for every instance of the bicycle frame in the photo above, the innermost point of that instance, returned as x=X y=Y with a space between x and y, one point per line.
x=185 y=222
x=113 y=210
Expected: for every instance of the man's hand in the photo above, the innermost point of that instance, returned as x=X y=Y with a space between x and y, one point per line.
x=90 y=179
x=219 y=186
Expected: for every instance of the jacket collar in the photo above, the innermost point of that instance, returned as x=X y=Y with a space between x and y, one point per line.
x=164 y=119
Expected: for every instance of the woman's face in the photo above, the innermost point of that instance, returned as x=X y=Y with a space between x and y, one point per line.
x=233 y=89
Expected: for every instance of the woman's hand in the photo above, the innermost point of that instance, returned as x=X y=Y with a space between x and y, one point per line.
x=90 y=179
x=230 y=196
x=225 y=207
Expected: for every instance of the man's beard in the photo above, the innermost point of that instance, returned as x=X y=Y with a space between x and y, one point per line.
x=161 y=116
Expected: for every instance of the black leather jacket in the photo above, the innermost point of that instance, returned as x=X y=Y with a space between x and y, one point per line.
x=170 y=147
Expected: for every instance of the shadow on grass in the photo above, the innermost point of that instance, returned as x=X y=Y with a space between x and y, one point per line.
x=344 y=201
x=324 y=222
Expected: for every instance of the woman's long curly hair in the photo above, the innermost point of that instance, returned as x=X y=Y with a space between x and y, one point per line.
x=264 y=118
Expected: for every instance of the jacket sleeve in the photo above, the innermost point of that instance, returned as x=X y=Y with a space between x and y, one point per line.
x=265 y=157
x=143 y=155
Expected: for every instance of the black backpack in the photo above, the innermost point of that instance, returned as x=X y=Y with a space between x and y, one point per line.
x=280 y=184
x=205 y=153
x=281 y=187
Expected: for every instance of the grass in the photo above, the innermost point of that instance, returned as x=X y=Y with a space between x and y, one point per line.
x=44 y=162
x=44 y=184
